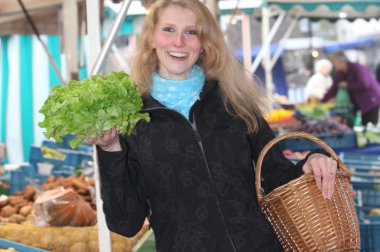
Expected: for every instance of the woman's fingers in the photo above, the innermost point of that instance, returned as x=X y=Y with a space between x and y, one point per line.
x=106 y=138
x=324 y=170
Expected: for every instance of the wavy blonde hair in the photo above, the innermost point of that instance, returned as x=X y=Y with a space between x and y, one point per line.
x=246 y=97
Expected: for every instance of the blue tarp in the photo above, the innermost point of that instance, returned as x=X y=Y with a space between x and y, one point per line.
x=331 y=47
x=278 y=73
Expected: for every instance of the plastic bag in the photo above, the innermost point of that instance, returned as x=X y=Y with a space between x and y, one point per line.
x=343 y=105
x=61 y=207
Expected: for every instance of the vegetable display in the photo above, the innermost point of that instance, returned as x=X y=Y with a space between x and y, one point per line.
x=91 y=106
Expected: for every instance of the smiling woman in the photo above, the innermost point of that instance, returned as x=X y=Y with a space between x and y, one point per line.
x=190 y=169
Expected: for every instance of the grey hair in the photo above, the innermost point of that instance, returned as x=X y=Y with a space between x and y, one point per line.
x=321 y=63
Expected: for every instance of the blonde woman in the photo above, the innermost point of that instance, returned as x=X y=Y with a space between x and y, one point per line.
x=190 y=170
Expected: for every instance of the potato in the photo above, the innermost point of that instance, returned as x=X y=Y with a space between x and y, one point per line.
x=16 y=218
x=26 y=210
x=79 y=247
x=7 y=211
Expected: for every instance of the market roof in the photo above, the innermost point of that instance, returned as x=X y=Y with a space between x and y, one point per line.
x=46 y=15
x=327 y=9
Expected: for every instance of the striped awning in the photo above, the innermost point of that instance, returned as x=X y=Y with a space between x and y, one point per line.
x=324 y=9
x=26 y=78
x=348 y=9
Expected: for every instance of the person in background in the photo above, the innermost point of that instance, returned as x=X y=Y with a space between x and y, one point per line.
x=361 y=84
x=190 y=170
x=377 y=72
x=320 y=82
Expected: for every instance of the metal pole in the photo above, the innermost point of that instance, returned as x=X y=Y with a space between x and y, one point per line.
x=104 y=236
x=111 y=36
x=93 y=29
x=34 y=28
x=246 y=31
x=267 y=50
x=280 y=49
x=212 y=5
x=269 y=38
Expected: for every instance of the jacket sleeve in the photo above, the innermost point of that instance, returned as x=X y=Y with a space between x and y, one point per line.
x=124 y=201
x=276 y=169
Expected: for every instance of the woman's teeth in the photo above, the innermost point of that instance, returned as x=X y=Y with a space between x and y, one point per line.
x=177 y=54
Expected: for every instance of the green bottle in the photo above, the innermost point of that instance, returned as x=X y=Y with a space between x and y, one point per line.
x=361 y=140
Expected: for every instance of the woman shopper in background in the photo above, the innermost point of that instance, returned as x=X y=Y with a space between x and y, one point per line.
x=190 y=169
x=361 y=84
x=320 y=82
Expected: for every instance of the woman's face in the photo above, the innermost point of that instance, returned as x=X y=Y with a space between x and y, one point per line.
x=176 y=42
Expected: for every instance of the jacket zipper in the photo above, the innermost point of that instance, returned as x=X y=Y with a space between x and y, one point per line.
x=200 y=144
x=199 y=141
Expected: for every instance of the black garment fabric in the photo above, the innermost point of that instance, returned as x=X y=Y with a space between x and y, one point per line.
x=194 y=180
x=371 y=116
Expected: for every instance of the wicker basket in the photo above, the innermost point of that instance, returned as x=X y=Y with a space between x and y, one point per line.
x=302 y=219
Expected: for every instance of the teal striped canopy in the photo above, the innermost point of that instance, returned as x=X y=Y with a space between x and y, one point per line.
x=365 y=9
x=358 y=5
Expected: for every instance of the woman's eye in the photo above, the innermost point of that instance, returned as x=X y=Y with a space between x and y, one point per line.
x=168 y=29
x=192 y=32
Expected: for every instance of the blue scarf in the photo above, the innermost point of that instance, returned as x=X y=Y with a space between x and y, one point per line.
x=179 y=95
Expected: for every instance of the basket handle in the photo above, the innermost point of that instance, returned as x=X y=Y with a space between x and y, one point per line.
x=259 y=189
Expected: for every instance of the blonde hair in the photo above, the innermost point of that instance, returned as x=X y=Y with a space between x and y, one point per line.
x=246 y=97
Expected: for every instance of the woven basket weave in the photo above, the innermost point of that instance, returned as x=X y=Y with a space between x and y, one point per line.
x=302 y=219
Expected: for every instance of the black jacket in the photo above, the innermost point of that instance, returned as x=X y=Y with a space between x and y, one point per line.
x=194 y=181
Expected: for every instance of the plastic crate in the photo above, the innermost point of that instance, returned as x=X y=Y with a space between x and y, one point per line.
x=333 y=140
x=21 y=177
x=63 y=171
x=18 y=246
x=370 y=237
x=368 y=193
x=361 y=158
x=73 y=158
x=84 y=147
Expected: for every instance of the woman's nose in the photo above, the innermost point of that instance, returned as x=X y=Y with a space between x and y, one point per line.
x=179 y=40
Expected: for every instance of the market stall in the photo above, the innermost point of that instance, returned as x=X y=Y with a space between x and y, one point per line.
x=25 y=72
x=325 y=9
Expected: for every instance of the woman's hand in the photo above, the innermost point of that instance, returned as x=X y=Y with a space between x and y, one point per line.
x=109 y=141
x=343 y=84
x=324 y=170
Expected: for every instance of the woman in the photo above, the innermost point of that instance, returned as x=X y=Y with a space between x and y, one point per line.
x=361 y=84
x=320 y=82
x=190 y=169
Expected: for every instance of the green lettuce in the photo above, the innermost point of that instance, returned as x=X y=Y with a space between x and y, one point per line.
x=91 y=106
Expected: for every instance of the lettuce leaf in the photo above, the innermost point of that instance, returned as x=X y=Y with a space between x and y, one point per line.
x=91 y=106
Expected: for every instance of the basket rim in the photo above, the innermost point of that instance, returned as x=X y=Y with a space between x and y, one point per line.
x=259 y=189
x=302 y=179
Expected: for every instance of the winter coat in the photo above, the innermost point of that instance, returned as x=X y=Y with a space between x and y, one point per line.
x=362 y=86
x=194 y=181
x=318 y=85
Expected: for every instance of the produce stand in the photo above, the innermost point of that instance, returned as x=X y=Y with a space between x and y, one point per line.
x=79 y=239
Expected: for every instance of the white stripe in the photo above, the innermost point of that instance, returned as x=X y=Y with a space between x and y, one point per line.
x=1 y=89
x=40 y=73
x=13 y=130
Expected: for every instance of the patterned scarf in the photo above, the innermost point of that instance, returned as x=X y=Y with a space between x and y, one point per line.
x=179 y=95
